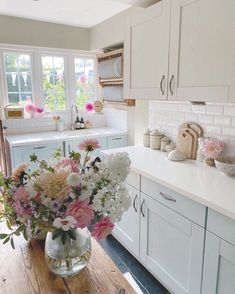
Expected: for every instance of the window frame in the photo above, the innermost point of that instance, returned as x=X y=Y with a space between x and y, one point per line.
x=36 y=53
x=4 y=75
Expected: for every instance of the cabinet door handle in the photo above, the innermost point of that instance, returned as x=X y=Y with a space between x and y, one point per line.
x=141 y=208
x=117 y=138
x=40 y=147
x=170 y=85
x=69 y=148
x=161 y=84
x=134 y=203
x=167 y=197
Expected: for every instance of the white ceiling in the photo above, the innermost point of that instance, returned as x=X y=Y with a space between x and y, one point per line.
x=84 y=13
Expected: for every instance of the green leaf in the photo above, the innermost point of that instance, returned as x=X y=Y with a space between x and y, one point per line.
x=72 y=234
x=64 y=237
x=33 y=157
x=12 y=243
x=9 y=225
x=3 y=236
x=6 y=240
x=25 y=234
x=56 y=234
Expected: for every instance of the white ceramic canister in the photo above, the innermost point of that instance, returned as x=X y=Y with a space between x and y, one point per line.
x=200 y=156
x=146 y=138
x=60 y=126
x=155 y=140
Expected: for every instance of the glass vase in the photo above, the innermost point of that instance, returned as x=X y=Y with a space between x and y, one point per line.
x=70 y=258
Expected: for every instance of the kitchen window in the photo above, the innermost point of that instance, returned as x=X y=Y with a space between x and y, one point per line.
x=53 y=78
x=85 y=80
x=18 y=73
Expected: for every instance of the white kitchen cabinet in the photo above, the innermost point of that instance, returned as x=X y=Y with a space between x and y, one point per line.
x=219 y=266
x=146 y=52
x=127 y=230
x=171 y=247
x=181 y=50
x=43 y=151
x=202 y=50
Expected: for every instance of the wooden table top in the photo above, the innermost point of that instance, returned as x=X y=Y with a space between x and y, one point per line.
x=24 y=271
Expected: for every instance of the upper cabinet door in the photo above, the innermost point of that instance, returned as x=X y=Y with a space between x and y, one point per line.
x=202 y=50
x=146 y=52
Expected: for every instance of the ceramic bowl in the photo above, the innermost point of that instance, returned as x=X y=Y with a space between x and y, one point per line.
x=226 y=164
x=176 y=155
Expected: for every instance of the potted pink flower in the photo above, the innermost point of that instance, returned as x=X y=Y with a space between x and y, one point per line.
x=67 y=199
x=211 y=149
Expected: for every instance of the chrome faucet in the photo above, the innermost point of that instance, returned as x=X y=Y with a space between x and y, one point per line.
x=72 y=118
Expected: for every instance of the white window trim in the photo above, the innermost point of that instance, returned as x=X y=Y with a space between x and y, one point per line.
x=36 y=67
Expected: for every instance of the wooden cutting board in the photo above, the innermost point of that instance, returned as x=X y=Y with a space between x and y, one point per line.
x=191 y=125
x=185 y=142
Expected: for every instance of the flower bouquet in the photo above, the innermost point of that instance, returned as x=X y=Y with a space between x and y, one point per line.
x=63 y=198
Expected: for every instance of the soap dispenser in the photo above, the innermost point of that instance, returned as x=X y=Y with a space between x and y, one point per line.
x=77 y=123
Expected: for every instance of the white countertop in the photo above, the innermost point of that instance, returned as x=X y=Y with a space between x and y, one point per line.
x=201 y=183
x=46 y=137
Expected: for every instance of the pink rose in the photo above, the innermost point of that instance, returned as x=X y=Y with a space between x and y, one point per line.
x=21 y=194
x=82 y=211
x=102 y=229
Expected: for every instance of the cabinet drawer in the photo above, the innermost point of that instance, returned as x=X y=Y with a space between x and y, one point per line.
x=117 y=141
x=221 y=225
x=181 y=204
x=133 y=180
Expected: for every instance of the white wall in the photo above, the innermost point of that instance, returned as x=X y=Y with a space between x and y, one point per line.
x=217 y=120
x=111 y=31
x=20 y=31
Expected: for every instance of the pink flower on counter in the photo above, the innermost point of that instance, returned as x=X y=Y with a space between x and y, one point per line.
x=82 y=212
x=89 y=145
x=39 y=110
x=102 y=229
x=30 y=107
x=89 y=107
x=212 y=148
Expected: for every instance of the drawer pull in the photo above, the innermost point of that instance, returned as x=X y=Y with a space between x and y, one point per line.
x=167 y=197
x=134 y=203
x=141 y=208
x=37 y=148
x=118 y=138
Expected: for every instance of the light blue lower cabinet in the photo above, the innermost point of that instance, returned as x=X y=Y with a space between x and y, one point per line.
x=43 y=151
x=219 y=266
x=171 y=247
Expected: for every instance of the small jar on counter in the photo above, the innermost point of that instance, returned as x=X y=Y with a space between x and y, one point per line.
x=165 y=141
x=60 y=125
x=155 y=140
x=146 y=138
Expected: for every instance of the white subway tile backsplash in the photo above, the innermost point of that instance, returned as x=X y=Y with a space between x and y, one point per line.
x=229 y=131
x=229 y=110
x=223 y=120
x=214 y=109
x=216 y=119
x=206 y=119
